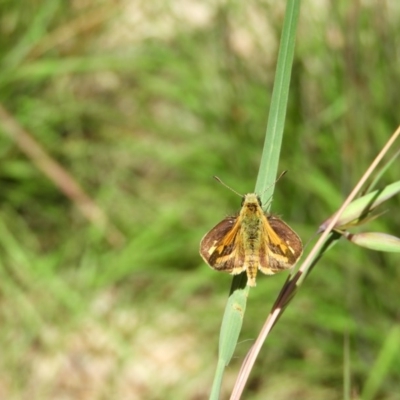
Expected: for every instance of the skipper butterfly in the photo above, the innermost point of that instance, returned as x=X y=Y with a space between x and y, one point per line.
x=251 y=241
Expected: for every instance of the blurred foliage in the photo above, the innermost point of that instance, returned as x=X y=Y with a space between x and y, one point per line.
x=142 y=103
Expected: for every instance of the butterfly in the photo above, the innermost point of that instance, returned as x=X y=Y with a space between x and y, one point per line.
x=251 y=241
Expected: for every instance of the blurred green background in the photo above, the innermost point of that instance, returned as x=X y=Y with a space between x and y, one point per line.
x=140 y=103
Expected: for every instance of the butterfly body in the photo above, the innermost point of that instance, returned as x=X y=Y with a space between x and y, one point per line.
x=251 y=241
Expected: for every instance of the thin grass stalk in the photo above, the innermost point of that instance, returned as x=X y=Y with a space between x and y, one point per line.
x=379 y=370
x=346 y=368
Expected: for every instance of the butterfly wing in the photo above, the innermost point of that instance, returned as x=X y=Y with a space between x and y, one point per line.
x=220 y=248
x=281 y=248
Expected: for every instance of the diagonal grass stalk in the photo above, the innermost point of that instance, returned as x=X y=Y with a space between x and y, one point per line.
x=289 y=289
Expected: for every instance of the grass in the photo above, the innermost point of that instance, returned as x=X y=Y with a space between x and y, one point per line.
x=142 y=113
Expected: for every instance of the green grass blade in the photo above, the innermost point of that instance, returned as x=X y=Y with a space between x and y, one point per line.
x=37 y=29
x=346 y=368
x=277 y=113
x=389 y=352
x=230 y=330
x=235 y=308
x=219 y=373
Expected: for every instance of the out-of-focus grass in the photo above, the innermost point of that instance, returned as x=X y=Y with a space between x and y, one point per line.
x=131 y=99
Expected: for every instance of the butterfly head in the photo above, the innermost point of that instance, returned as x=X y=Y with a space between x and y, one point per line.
x=251 y=198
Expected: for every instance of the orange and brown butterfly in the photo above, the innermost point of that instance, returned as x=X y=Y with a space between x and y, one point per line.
x=251 y=241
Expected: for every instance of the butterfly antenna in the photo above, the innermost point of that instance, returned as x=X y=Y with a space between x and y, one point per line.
x=223 y=183
x=276 y=180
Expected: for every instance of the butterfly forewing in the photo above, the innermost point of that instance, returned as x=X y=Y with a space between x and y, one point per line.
x=219 y=246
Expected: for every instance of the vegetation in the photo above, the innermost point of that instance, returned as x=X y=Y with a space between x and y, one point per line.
x=114 y=116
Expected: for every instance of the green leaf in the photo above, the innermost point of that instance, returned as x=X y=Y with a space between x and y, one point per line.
x=375 y=241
